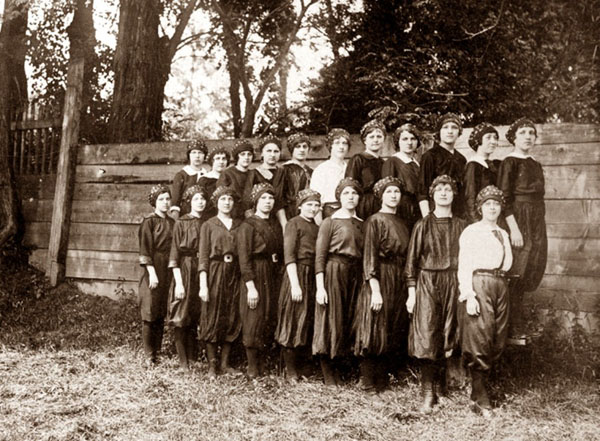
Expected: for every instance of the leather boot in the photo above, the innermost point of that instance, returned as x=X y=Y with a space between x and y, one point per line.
x=252 y=356
x=367 y=374
x=289 y=357
x=158 y=329
x=427 y=388
x=381 y=368
x=479 y=396
x=211 y=352
x=180 y=346
x=441 y=379
x=148 y=341
x=191 y=344
x=328 y=373
x=225 y=367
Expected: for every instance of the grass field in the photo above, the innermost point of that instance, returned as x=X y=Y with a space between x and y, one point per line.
x=71 y=369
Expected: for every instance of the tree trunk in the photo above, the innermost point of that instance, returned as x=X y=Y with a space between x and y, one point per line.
x=13 y=88
x=140 y=76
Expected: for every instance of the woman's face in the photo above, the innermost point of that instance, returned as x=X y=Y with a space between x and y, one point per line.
x=196 y=158
x=219 y=162
x=449 y=132
x=300 y=152
x=443 y=195
x=490 y=210
x=525 y=138
x=489 y=142
x=374 y=140
x=309 y=209
x=270 y=154
x=349 y=198
x=339 y=147
x=225 y=204
x=198 y=203
x=245 y=159
x=163 y=202
x=408 y=143
x=391 y=196
x=265 y=203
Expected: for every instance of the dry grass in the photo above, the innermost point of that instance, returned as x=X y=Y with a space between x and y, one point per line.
x=70 y=369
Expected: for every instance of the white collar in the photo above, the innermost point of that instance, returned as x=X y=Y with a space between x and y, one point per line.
x=478 y=160
x=515 y=154
x=212 y=174
x=405 y=158
x=337 y=215
x=192 y=172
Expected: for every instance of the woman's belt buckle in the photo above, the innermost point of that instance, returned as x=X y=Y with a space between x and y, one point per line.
x=227 y=258
x=274 y=258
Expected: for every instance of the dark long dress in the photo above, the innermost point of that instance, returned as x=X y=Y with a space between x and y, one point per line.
x=234 y=178
x=522 y=181
x=366 y=169
x=476 y=178
x=219 y=317
x=408 y=173
x=155 y=235
x=184 y=255
x=295 y=319
x=294 y=178
x=209 y=183
x=337 y=255
x=384 y=256
x=439 y=161
x=260 y=252
x=431 y=265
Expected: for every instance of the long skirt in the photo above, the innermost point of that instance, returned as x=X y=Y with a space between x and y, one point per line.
x=433 y=331
x=295 y=319
x=220 y=317
x=385 y=331
x=185 y=312
x=333 y=321
x=483 y=337
x=258 y=324
x=153 y=302
x=530 y=260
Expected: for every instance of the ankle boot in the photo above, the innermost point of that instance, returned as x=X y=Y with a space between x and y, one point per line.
x=289 y=357
x=180 y=346
x=211 y=353
x=367 y=375
x=148 y=340
x=479 y=396
x=252 y=356
x=427 y=387
x=158 y=328
x=381 y=370
x=441 y=380
x=225 y=367
x=191 y=344
x=328 y=373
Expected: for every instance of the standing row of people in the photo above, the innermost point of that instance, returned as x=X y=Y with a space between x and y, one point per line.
x=346 y=285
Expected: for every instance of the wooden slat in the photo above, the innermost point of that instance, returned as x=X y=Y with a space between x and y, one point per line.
x=122 y=212
x=35 y=124
x=564 y=300
x=570 y=211
x=571 y=283
x=572 y=182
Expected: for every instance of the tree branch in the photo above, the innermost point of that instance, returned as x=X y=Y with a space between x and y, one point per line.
x=472 y=35
x=183 y=21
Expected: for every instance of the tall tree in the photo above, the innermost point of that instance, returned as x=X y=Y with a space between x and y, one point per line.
x=142 y=65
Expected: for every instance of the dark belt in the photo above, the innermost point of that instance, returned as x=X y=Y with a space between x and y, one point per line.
x=492 y=272
x=227 y=258
x=529 y=198
x=342 y=258
x=395 y=260
x=272 y=257
x=306 y=261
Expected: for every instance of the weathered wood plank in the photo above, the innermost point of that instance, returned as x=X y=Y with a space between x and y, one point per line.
x=572 y=211
x=572 y=182
x=121 y=212
x=574 y=230
x=37 y=187
x=564 y=300
x=571 y=283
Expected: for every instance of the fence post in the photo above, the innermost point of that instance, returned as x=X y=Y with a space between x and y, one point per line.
x=67 y=161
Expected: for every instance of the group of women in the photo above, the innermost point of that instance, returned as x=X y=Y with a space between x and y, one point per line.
x=376 y=259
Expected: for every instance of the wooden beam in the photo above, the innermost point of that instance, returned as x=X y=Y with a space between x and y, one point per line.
x=61 y=214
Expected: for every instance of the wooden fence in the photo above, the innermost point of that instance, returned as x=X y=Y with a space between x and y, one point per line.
x=112 y=181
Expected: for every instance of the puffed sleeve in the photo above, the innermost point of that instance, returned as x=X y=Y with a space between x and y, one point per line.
x=175 y=255
x=204 y=251
x=322 y=247
x=468 y=251
x=290 y=242
x=371 y=249
x=146 y=240
x=472 y=184
x=245 y=243
x=177 y=191
x=415 y=247
x=507 y=175
x=426 y=176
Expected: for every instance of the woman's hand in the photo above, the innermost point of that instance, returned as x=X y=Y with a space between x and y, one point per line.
x=203 y=294
x=252 y=298
x=179 y=292
x=296 y=293
x=472 y=306
x=410 y=302
x=321 y=296
x=516 y=238
x=376 y=300
x=152 y=281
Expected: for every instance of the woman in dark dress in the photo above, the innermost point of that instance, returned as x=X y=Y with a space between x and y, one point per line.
x=260 y=251
x=187 y=176
x=236 y=176
x=366 y=166
x=218 y=158
x=430 y=272
x=404 y=166
x=155 y=235
x=521 y=179
x=297 y=294
x=480 y=171
x=184 y=304
x=338 y=275
x=220 y=322
x=381 y=319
